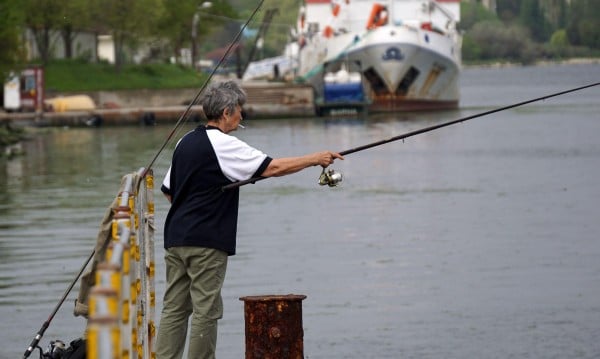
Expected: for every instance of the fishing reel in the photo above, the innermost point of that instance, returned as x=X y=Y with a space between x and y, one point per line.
x=57 y=349
x=330 y=178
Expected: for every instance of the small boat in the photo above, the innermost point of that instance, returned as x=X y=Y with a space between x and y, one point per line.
x=343 y=93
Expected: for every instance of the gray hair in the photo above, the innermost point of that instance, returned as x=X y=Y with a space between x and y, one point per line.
x=221 y=96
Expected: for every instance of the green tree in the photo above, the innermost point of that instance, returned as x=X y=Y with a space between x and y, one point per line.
x=11 y=51
x=555 y=12
x=471 y=50
x=472 y=13
x=42 y=17
x=186 y=22
x=559 y=39
x=220 y=23
x=584 y=24
x=559 y=43
x=489 y=41
x=128 y=21
x=176 y=24
x=73 y=16
x=532 y=17
x=508 y=10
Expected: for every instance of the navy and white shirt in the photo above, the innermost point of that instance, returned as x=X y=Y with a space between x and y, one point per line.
x=201 y=214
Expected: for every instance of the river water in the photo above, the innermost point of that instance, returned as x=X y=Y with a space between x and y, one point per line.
x=478 y=240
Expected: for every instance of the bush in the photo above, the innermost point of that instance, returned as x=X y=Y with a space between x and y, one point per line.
x=486 y=40
x=559 y=39
x=471 y=51
x=473 y=12
x=558 y=46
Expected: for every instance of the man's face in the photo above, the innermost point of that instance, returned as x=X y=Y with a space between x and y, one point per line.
x=232 y=120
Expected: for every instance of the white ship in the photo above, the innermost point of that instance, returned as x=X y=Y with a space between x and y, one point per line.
x=407 y=52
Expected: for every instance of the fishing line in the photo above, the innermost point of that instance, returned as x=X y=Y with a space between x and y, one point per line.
x=182 y=119
x=423 y=130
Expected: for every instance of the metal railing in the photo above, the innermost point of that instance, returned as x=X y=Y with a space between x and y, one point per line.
x=122 y=303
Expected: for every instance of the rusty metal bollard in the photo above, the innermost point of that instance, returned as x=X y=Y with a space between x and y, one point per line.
x=274 y=326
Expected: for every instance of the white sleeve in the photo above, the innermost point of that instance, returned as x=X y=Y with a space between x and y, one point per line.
x=167 y=181
x=237 y=160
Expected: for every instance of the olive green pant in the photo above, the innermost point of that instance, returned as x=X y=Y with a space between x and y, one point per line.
x=194 y=280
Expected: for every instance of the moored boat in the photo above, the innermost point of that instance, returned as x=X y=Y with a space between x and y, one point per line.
x=408 y=52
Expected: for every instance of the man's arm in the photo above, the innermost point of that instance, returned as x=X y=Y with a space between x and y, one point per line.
x=288 y=165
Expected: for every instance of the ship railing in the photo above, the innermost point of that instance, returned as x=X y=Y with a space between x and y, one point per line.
x=122 y=303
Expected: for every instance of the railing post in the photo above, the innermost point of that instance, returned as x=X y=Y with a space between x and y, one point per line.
x=274 y=326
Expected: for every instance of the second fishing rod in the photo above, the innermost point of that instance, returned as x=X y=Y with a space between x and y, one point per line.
x=332 y=178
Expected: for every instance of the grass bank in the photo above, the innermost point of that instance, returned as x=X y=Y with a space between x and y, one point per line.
x=72 y=76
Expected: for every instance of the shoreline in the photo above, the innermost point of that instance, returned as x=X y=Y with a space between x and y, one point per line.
x=570 y=61
x=270 y=100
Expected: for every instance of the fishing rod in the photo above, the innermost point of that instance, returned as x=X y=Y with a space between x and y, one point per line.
x=332 y=178
x=182 y=119
x=40 y=333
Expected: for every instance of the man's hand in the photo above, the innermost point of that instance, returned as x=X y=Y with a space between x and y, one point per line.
x=325 y=158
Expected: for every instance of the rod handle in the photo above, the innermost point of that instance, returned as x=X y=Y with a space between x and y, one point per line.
x=36 y=340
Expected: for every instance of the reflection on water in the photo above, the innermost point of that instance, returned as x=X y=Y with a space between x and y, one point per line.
x=477 y=240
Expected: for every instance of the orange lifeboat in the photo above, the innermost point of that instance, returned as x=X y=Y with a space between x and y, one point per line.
x=378 y=16
x=336 y=10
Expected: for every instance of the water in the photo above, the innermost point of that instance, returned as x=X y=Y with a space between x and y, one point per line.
x=479 y=240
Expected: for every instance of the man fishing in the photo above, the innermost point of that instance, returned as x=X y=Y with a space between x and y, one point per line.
x=201 y=226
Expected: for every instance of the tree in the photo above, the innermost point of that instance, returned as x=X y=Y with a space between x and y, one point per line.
x=584 y=26
x=472 y=13
x=221 y=22
x=489 y=41
x=532 y=17
x=42 y=17
x=180 y=17
x=508 y=10
x=555 y=12
x=128 y=21
x=11 y=51
x=73 y=16
x=559 y=43
x=176 y=24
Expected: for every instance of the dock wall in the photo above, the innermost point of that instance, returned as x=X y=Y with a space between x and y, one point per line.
x=128 y=107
